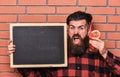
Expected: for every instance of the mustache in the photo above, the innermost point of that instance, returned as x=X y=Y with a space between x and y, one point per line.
x=76 y=35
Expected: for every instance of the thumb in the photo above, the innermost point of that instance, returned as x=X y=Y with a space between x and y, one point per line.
x=10 y=42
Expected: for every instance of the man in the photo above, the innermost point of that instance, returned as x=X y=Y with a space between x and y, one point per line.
x=82 y=62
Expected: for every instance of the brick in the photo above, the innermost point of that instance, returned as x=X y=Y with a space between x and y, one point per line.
x=10 y=75
x=8 y=18
x=5 y=68
x=68 y=10
x=101 y=10
x=3 y=51
x=4 y=59
x=99 y=19
x=118 y=10
x=113 y=35
x=31 y=18
x=118 y=44
x=41 y=10
x=105 y=27
x=12 y=10
x=7 y=2
x=61 y=2
x=114 y=3
x=110 y=44
x=31 y=2
x=56 y=18
x=103 y=35
x=114 y=19
x=4 y=26
x=118 y=27
x=4 y=34
x=3 y=42
x=92 y=2
x=115 y=52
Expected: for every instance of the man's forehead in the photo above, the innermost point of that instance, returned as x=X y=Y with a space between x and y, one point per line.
x=78 y=22
x=78 y=25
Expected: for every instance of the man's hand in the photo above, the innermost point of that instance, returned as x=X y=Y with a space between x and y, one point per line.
x=100 y=45
x=11 y=47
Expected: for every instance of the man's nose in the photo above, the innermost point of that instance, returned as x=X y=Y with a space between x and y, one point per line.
x=76 y=31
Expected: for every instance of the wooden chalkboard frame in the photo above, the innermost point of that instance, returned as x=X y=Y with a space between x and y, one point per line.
x=12 y=25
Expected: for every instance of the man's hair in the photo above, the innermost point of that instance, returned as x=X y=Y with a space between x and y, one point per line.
x=79 y=15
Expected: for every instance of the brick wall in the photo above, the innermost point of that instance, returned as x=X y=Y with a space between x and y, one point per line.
x=106 y=18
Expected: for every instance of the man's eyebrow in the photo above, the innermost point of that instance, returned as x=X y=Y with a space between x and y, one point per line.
x=78 y=26
x=82 y=26
x=71 y=25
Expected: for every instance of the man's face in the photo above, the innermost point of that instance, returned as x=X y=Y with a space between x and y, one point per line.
x=77 y=31
x=77 y=27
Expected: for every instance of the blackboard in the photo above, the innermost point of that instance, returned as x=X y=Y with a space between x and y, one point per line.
x=39 y=45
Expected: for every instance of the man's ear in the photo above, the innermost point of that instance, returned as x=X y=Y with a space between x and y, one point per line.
x=67 y=28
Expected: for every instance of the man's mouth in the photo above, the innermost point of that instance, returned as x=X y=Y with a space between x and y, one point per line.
x=76 y=40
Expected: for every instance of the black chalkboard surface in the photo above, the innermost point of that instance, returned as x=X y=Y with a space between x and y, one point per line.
x=39 y=45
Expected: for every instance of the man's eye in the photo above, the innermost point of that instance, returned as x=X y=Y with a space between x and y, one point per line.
x=72 y=27
x=81 y=27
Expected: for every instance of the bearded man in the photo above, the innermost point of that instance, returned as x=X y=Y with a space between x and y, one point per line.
x=82 y=62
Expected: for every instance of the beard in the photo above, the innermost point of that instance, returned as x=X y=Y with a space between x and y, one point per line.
x=78 y=49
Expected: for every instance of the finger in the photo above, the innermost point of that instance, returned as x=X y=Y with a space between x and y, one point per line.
x=10 y=42
x=11 y=46
x=11 y=52
x=94 y=43
x=97 y=44
x=98 y=40
x=11 y=49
